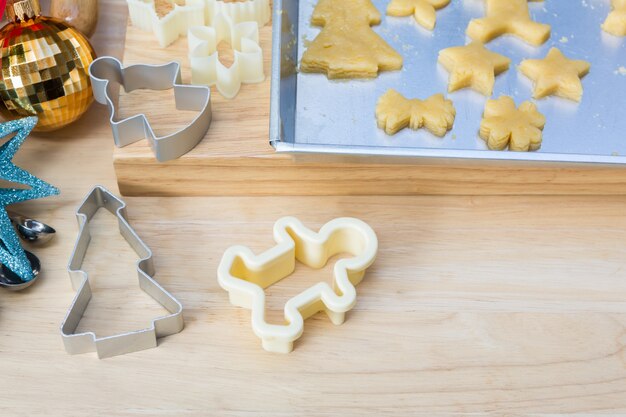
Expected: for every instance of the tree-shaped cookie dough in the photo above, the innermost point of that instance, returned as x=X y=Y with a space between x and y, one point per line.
x=508 y=17
x=394 y=113
x=347 y=47
x=555 y=74
x=422 y=10
x=472 y=66
x=503 y=125
x=615 y=23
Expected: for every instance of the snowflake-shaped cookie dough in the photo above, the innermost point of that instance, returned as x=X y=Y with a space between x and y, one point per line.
x=615 y=23
x=424 y=11
x=245 y=275
x=503 y=125
x=473 y=66
x=556 y=74
x=508 y=17
x=394 y=112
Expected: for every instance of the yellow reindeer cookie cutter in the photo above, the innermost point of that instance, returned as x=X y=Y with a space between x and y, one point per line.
x=245 y=275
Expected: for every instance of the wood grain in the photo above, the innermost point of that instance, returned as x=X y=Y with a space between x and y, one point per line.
x=476 y=306
x=239 y=160
x=510 y=305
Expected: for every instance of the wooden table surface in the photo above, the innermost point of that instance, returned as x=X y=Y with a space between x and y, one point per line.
x=476 y=305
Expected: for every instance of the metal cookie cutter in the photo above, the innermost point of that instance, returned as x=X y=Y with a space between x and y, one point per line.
x=245 y=275
x=153 y=77
x=123 y=343
x=206 y=68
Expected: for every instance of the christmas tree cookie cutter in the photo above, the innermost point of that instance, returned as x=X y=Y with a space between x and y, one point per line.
x=168 y=28
x=206 y=68
x=245 y=275
x=172 y=323
x=153 y=77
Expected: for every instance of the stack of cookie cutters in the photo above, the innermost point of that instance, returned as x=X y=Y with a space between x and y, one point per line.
x=108 y=73
x=207 y=23
x=118 y=344
x=181 y=18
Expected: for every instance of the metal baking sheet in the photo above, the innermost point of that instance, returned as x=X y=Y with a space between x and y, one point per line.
x=313 y=114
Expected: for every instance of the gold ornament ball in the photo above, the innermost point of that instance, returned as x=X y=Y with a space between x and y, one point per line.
x=45 y=72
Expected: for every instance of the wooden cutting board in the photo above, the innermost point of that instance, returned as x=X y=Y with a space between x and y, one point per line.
x=235 y=157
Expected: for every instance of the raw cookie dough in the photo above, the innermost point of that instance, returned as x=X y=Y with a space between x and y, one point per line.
x=472 y=66
x=508 y=17
x=347 y=47
x=555 y=74
x=394 y=113
x=615 y=23
x=503 y=125
x=422 y=10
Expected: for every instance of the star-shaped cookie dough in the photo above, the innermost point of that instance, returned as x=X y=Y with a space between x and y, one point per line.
x=472 y=66
x=394 y=113
x=508 y=17
x=503 y=125
x=556 y=75
x=615 y=23
x=422 y=10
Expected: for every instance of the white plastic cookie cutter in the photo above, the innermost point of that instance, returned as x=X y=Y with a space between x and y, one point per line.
x=206 y=68
x=239 y=11
x=245 y=275
x=188 y=13
x=173 y=25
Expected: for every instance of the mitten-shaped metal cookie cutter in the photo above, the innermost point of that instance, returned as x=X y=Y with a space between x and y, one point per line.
x=245 y=275
x=206 y=68
x=107 y=74
x=123 y=343
x=176 y=23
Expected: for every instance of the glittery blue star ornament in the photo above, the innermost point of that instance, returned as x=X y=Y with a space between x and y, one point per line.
x=12 y=254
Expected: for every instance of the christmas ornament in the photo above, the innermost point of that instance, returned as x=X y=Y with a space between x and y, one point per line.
x=11 y=252
x=44 y=67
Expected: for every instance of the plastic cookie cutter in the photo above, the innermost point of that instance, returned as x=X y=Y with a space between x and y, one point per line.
x=239 y=11
x=245 y=275
x=171 y=19
x=180 y=16
x=123 y=343
x=154 y=77
x=247 y=66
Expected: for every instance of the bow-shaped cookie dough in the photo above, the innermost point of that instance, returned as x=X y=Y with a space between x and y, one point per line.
x=394 y=112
